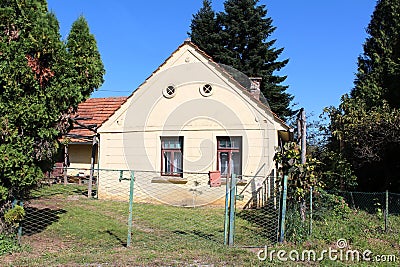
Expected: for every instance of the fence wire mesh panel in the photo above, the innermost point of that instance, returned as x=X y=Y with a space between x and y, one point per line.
x=257 y=212
x=380 y=205
x=394 y=204
x=142 y=207
x=307 y=219
x=183 y=206
x=53 y=205
x=297 y=220
x=370 y=202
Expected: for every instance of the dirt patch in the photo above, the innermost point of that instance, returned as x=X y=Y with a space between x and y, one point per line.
x=35 y=246
x=53 y=203
x=36 y=242
x=76 y=197
x=373 y=241
x=46 y=244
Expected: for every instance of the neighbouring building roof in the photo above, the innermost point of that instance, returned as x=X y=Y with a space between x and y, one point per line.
x=92 y=113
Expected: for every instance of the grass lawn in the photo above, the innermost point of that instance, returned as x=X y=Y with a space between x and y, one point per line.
x=64 y=228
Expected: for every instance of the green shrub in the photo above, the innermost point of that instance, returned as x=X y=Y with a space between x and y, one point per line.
x=325 y=208
x=326 y=204
x=3 y=193
x=13 y=216
x=296 y=230
x=8 y=244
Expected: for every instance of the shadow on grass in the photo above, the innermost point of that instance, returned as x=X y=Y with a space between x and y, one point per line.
x=37 y=220
x=262 y=223
x=122 y=242
x=197 y=233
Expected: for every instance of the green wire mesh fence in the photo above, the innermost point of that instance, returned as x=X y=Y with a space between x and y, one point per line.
x=257 y=217
x=246 y=210
x=377 y=208
x=185 y=204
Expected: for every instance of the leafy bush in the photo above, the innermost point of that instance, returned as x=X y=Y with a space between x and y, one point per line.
x=14 y=216
x=326 y=204
x=8 y=244
x=325 y=207
x=296 y=230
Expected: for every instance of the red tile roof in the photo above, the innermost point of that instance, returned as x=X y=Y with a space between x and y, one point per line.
x=93 y=112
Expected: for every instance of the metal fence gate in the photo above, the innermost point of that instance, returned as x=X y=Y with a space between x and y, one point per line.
x=256 y=212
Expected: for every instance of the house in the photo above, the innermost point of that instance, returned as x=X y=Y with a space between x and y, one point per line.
x=90 y=115
x=189 y=118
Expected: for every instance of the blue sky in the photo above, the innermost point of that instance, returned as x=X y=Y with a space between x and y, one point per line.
x=322 y=40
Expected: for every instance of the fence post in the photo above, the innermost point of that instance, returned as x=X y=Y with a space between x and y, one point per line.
x=19 y=231
x=387 y=211
x=65 y=165
x=283 y=212
x=226 y=221
x=121 y=175
x=232 y=201
x=352 y=200
x=311 y=210
x=92 y=159
x=131 y=185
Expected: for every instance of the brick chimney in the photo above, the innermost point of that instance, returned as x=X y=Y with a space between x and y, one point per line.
x=255 y=87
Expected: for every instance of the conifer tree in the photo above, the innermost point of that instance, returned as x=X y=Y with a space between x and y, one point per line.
x=38 y=90
x=378 y=76
x=367 y=122
x=243 y=31
x=205 y=30
x=85 y=56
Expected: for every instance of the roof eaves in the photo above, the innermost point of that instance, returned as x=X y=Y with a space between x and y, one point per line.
x=221 y=69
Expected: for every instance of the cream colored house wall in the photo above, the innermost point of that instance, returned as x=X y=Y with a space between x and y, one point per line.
x=79 y=158
x=131 y=138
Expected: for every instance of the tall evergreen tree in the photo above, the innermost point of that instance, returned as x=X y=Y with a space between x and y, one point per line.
x=378 y=76
x=205 y=30
x=243 y=31
x=366 y=124
x=86 y=58
x=38 y=90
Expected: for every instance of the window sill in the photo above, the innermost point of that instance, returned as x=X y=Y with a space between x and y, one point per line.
x=169 y=180
x=179 y=180
x=240 y=182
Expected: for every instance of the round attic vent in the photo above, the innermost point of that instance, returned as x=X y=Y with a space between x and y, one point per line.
x=169 y=91
x=206 y=90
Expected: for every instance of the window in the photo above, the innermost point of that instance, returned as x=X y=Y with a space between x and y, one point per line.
x=229 y=156
x=206 y=90
x=171 y=156
x=169 y=91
